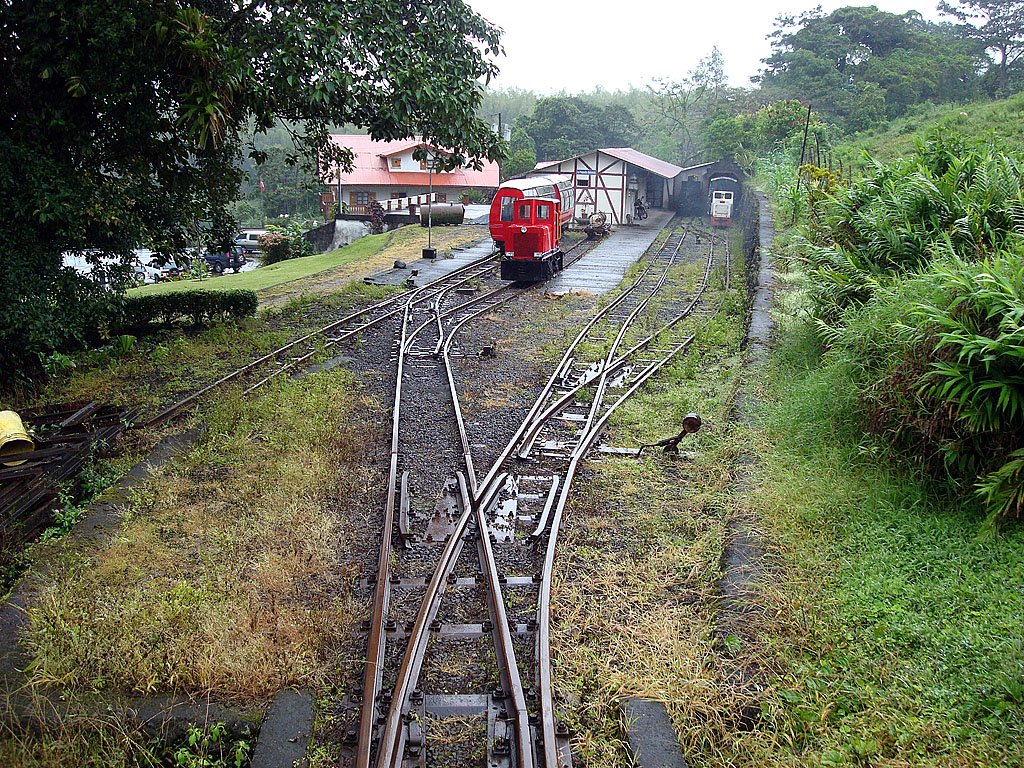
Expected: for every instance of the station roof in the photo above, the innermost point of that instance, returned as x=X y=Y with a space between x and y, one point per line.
x=631 y=156
x=371 y=167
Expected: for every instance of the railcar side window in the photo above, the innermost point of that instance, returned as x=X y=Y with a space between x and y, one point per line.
x=507 y=208
x=524 y=211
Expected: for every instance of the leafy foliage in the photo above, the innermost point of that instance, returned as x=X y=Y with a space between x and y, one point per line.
x=773 y=129
x=124 y=123
x=563 y=126
x=859 y=65
x=917 y=281
x=1001 y=30
x=195 y=307
x=284 y=242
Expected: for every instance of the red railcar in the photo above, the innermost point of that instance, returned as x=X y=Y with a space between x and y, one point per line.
x=531 y=240
x=558 y=188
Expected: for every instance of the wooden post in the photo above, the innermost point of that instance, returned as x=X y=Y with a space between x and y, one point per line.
x=803 y=150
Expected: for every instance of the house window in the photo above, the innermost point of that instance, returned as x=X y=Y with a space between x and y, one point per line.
x=442 y=197
x=396 y=162
x=359 y=198
x=423 y=165
x=582 y=182
x=398 y=195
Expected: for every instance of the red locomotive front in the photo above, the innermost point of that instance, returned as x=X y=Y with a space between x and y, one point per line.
x=502 y=214
x=531 y=241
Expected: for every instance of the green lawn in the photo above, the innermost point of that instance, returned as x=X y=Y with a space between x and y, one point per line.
x=274 y=274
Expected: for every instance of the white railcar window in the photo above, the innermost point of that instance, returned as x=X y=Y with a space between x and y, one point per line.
x=542 y=212
x=507 y=208
x=524 y=211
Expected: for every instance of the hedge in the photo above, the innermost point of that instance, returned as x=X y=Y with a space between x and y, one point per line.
x=194 y=307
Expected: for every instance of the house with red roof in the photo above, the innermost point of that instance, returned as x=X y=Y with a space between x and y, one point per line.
x=386 y=171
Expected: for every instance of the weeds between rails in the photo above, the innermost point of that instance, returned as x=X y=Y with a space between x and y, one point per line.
x=342 y=330
x=391 y=725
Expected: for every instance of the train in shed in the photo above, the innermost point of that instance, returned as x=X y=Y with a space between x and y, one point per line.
x=723 y=196
x=527 y=218
x=713 y=189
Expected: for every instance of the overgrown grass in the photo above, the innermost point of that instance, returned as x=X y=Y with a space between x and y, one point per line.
x=889 y=141
x=231 y=573
x=897 y=636
x=635 y=593
x=95 y=740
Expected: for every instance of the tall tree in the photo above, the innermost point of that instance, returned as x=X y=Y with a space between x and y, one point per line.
x=123 y=121
x=681 y=109
x=522 y=156
x=1001 y=29
x=563 y=126
x=843 y=62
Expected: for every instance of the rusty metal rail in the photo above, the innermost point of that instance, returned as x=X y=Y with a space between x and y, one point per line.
x=391 y=735
x=346 y=328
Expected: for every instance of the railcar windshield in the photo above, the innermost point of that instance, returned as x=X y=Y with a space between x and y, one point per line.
x=507 y=208
x=543 y=212
x=524 y=211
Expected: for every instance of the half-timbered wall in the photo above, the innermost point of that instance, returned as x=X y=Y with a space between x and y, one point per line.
x=600 y=182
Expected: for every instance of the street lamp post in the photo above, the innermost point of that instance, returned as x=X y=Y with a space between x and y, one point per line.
x=429 y=252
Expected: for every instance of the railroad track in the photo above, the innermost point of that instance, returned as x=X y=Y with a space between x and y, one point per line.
x=511 y=517
x=291 y=357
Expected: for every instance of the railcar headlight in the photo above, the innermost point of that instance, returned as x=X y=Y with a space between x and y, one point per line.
x=523 y=230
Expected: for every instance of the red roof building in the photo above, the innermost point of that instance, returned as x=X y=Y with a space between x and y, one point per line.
x=385 y=171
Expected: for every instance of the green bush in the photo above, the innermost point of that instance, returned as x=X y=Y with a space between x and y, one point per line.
x=892 y=221
x=274 y=247
x=285 y=241
x=917 y=288
x=192 y=307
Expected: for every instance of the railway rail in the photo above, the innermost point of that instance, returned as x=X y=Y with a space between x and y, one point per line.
x=290 y=357
x=527 y=485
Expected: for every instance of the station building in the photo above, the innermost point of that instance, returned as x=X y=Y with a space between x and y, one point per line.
x=385 y=171
x=610 y=180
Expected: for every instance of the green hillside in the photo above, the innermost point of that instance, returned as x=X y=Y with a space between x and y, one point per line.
x=1004 y=119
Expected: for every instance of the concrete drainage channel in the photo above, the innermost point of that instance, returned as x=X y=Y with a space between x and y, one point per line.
x=743 y=554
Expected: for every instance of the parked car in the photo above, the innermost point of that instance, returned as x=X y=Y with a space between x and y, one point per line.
x=249 y=239
x=172 y=271
x=219 y=260
x=146 y=273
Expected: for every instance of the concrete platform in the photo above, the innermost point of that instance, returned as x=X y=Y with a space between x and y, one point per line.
x=431 y=269
x=597 y=272
x=602 y=269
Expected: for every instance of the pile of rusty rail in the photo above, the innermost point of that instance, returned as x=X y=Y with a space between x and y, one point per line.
x=66 y=438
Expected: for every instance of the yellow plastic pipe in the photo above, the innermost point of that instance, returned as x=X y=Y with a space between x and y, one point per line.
x=13 y=437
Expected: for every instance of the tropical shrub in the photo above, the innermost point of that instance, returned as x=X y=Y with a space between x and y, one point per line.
x=274 y=247
x=890 y=222
x=284 y=241
x=917 y=288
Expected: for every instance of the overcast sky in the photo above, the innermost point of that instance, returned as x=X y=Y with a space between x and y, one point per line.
x=575 y=46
